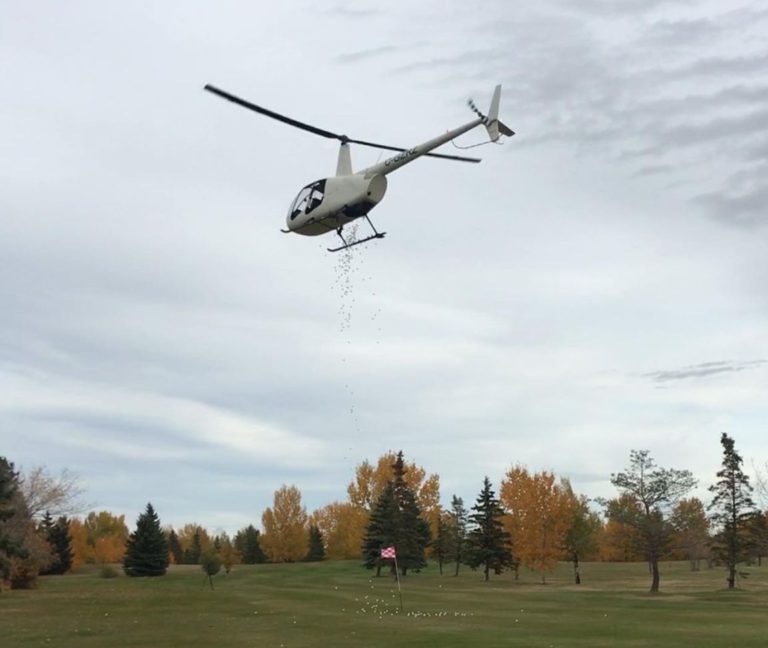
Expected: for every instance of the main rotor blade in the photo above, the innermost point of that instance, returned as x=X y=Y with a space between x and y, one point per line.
x=273 y=115
x=319 y=131
x=458 y=158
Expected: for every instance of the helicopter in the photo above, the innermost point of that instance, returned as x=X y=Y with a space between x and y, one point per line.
x=328 y=204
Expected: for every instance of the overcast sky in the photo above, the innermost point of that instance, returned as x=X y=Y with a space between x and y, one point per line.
x=597 y=284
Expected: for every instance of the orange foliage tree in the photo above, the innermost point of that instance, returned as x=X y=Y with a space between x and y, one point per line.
x=285 y=537
x=690 y=540
x=342 y=525
x=98 y=539
x=186 y=536
x=539 y=513
x=620 y=542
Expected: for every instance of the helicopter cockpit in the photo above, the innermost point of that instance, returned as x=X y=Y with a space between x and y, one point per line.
x=308 y=200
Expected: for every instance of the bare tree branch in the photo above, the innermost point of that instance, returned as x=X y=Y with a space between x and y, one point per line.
x=57 y=495
x=761 y=484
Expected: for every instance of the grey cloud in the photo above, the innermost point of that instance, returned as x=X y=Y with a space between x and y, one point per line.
x=619 y=7
x=686 y=32
x=362 y=55
x=672 y=33
x=654 y=169
x=350 y=11
x=703 y=370
x=463 y=59
x=746 y=209
x=718 y=67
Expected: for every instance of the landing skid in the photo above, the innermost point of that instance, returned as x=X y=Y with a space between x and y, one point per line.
x=375 y=235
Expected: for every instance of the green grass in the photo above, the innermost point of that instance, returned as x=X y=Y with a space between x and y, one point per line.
x=341 y=604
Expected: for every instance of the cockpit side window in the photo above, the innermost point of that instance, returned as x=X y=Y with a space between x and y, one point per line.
x=317 y=195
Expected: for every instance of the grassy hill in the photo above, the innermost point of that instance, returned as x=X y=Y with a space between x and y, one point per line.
x=341 y=604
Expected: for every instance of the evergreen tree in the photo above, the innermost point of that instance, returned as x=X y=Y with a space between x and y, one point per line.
x=442 y=547
x=648 y=495
x=316 y=551
x=733 y=507
x=194 y=551
x=10 y=546
x=174 y=547
x=412 y=531
x=44 y=529
x=146 y=552
x=396 y=520
x=61 y=541
x=381 y=529
x=459 y=529
x=247 y=544
x=488 y=542
x=58 y=538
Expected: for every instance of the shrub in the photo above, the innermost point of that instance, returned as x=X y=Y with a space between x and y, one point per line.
x=107 y=571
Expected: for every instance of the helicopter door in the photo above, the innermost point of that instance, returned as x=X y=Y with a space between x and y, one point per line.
x=316 y=197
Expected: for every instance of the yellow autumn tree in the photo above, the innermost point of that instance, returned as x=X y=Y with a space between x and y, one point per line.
x=80 y=549
x=369 y=482
x=342 y=525
x=538 y=516
x=186 y=535
x=98 y=539
x=619 y=542
x=286 y=534
x=227 y=551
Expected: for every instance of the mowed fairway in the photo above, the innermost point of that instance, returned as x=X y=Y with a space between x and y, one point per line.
x=341 y=604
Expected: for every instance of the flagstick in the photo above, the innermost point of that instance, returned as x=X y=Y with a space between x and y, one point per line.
x=399 y=591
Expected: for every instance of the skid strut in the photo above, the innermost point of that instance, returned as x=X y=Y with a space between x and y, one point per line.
x=375 y=235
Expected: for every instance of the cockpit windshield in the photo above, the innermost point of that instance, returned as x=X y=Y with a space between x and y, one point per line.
x=308 y=200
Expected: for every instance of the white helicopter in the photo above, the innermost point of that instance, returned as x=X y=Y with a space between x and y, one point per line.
x=327 y=205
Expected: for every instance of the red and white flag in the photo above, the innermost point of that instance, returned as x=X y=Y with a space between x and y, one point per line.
x=388 y=552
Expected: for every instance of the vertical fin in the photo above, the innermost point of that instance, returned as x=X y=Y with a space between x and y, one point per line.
x=494 y=127
x=492 y=122
x=344 y=163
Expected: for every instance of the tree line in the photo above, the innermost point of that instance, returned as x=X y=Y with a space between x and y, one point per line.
x=536 y=521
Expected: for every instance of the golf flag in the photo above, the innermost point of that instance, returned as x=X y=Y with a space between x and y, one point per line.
x=388 y=552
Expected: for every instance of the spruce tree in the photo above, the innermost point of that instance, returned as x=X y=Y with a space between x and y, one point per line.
x=10 y=547
x=396 y=521
x=381 y=529
x=488 y=542
x=733 y=508
x=62 y=544
x=146 y=553
x=412 y=532
x=459 y=529
x=442 y=547
x=58 y=538
x=174 y=548
x=316 y=551
x=247 y=543
x=194 y=551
